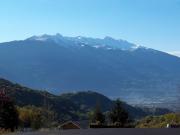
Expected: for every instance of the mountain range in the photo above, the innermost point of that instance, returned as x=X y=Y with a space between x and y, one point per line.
x=115 y=68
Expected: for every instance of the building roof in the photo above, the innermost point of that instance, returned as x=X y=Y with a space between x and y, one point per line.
x=70 y=122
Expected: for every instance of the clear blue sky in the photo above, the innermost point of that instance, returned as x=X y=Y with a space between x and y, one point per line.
x=151 y=23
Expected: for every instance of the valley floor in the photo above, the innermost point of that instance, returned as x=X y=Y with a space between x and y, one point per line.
x=106 y=132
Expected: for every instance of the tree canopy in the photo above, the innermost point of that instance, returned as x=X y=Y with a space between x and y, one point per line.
x=8 y=113
x=118 y=115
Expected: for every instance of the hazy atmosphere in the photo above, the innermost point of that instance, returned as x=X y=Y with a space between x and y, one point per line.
x=90 y=67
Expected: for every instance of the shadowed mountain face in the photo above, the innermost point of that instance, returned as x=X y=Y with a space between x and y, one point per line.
x=115 y=68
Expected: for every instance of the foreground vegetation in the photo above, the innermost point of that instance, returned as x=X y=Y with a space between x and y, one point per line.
x=159 y=121
x=35 y=118
x=12 y=117
x=40 y=109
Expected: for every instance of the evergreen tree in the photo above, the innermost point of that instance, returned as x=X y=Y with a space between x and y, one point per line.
x=98 y=116
x=118 y=115
x=8 y=113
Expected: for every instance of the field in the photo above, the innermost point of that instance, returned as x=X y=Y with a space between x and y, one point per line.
x=106 y=132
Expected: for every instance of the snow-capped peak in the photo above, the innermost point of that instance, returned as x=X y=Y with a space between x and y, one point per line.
x=107 y=42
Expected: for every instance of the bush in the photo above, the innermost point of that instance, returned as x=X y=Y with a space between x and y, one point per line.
x=35 y=118
x=159 y=121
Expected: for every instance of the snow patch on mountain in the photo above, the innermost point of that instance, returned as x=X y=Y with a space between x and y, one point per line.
x=108 y=43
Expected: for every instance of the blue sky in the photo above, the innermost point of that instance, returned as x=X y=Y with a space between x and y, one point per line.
x=151 y=23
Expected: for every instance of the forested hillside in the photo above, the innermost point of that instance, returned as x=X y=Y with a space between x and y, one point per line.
x=70 y=105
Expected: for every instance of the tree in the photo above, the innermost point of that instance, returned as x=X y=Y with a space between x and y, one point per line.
x=35 y=117
x=98 y=117
x=118 y=115
x=8 y=113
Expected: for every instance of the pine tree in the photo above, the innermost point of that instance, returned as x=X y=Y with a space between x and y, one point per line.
x=8 y=113
x=118 y=115
x=98 y=116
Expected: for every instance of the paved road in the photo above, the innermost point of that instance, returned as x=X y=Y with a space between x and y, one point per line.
x=107 y=132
